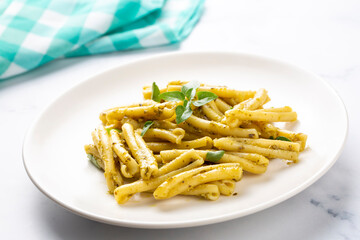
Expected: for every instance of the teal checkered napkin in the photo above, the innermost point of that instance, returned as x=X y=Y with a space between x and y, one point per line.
x=34 y=32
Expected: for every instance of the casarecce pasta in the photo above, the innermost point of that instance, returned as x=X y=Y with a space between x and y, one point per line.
x=191 y=139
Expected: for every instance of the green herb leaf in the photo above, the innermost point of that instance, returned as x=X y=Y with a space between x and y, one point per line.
x=271 y=137
x=189 y=89
x=187 y=103
x=214 y=156
x=204 y=98
x=183 y=113
x=188 y=111
x=155 y=93
x=179 y=110
x=146 y=127
x=172 y=96
x=93 y=161
x=109 y=129
x=283 y=138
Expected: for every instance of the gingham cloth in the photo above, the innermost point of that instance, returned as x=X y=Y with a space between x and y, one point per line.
x=34 y=32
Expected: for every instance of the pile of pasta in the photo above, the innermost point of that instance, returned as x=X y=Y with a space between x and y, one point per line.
x=141 y=148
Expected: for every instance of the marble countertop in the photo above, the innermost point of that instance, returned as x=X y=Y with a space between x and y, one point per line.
x=320 y=36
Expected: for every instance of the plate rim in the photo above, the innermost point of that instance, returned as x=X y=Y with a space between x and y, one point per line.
x=198 y=222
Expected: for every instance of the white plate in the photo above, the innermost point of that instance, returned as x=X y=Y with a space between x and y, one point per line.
x=56 y=162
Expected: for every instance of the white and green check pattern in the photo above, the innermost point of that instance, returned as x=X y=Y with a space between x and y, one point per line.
x=34 y=32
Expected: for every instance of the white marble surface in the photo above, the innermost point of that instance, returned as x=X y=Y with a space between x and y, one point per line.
x=321 y=36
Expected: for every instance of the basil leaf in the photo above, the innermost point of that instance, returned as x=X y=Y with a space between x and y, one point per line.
x=146 y=127
x=214 y=156
x=271 y=137
x=179 y=110
x=155 y=92
x=204 y=98
x=183 y=113
x=283 y=138
x=188 y=111
x=189 y=89
x=93 y=161
x=186 y=103
x=172 y=96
